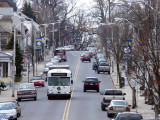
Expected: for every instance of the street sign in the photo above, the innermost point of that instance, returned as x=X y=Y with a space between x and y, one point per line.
x=39 y=43
x=127 y=49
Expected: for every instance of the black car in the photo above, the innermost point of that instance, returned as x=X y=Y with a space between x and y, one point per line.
x=91 y=83
x=128 y=116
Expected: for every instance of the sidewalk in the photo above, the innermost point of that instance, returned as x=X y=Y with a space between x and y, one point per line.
x=142 y=108
x=7 y=95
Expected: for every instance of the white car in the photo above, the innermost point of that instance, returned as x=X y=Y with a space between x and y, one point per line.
x=47 y=67
x=9 y=110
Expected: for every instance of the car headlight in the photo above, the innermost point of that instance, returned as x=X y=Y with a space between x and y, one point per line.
x=68 y=92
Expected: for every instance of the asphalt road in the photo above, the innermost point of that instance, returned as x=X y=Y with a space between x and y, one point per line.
x=82 y=106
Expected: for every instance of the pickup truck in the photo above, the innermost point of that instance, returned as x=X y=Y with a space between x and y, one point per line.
x=111 y=94
x=103 y=67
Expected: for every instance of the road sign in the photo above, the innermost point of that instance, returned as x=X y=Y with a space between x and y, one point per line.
x=127 y=49
x=108 y=41
x=39 y=43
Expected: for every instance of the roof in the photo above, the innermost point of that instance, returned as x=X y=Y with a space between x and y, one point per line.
x=11 y=3
x=59 y=70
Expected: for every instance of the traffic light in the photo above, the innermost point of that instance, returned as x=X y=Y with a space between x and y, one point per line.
x=66 y=28
x=83 y=27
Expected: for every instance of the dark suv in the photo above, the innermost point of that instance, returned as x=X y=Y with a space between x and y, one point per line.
x=91 y=83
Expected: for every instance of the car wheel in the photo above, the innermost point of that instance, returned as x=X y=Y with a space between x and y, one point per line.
x=15 y=119
x=108 y=115
x=102 y=107
x=35 y=98
x=109 y=72
x=98 y=90
x=19 y=114
x=98 y=72
x=82 y=60
x=90 y=61
x=43 y=85
x=84 y=90
x=19 y=99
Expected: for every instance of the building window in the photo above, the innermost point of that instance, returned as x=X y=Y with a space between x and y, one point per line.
x=3 y=43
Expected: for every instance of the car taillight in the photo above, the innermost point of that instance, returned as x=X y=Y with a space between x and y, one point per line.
x=85 y=83
x=19 y=93
x=123 y=98
x=97 y=84
x=110 y=108
x=127 y=109
x=34 y=92
x=104 y=99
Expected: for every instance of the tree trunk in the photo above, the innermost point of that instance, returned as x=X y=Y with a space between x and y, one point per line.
x=134 y=103
x=119 y=76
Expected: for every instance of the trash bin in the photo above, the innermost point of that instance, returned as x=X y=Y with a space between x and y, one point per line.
x=122 y=81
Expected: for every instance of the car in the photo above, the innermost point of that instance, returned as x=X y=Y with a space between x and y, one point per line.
x=111 y=94
x=47 y=67
x=17 y=107
x=91 y=83
x=38 y=81
x=128 y=116
x=26 y=90
x=103 y=67
x=101 y=60
x=117 y=106
x=54 y=61
x=86 y=57
x=8 y=109
x=3 y=116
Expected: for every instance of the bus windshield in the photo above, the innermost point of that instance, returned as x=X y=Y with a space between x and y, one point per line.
x=58 y=81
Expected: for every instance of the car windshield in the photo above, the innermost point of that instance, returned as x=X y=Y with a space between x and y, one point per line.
x=118 y=102
x=92 y=79
x=113 y=92
x=58 y=81
x=2 y=116
x=85 y=55
x=129 y=117
x=104 y=64
x=37 y=78
x=26 y=86
x=8 y=106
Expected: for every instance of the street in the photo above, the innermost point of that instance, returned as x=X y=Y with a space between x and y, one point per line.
x=86 y=106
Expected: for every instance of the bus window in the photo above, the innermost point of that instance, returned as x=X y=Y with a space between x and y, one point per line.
x=65 y=81
x=53 y=81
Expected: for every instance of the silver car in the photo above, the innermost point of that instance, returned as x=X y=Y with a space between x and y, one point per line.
x=8 y=110
x=26 y=90
x=117 y=106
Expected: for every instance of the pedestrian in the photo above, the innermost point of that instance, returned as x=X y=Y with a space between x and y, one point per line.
x=95 y=67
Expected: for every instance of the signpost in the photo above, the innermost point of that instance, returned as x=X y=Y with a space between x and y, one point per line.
x=108 y=41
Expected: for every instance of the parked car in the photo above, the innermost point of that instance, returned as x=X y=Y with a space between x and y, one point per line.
x=111 y=94
x=47 y=67
x=117 y=106
x=17 y=107
x=38 y=81
x=128 y=116
x=3 y=116
x=101 y=60
x=26 y=90
x=91 y=83
x=103 y=67
x=86 y=58
x=8 y=109
x=57 y=57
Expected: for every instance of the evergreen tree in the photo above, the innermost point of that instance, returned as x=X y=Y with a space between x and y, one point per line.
x=19 y=57
x=28 y=11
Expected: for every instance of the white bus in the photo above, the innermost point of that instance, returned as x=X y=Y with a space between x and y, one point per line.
x=59 y=82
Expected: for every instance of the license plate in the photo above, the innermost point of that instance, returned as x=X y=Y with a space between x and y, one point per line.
x=119 y=109
x=91 y=84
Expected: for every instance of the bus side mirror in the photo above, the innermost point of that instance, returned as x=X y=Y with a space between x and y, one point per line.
x=71 y=81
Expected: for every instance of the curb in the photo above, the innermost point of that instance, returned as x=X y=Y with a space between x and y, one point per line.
x=113 y=82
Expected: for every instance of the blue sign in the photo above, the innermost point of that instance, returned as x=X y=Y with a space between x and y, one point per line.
x=108 y=41
x=39 y=43
x=127 y=49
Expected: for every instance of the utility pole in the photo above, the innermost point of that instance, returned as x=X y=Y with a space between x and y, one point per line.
x=14 y=68
x=53 y=42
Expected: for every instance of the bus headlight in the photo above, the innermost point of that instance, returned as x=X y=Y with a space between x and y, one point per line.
x=68 y=92
x=49 y=91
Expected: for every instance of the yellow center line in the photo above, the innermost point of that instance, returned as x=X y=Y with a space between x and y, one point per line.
x=68 y=102
x=65 y=110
